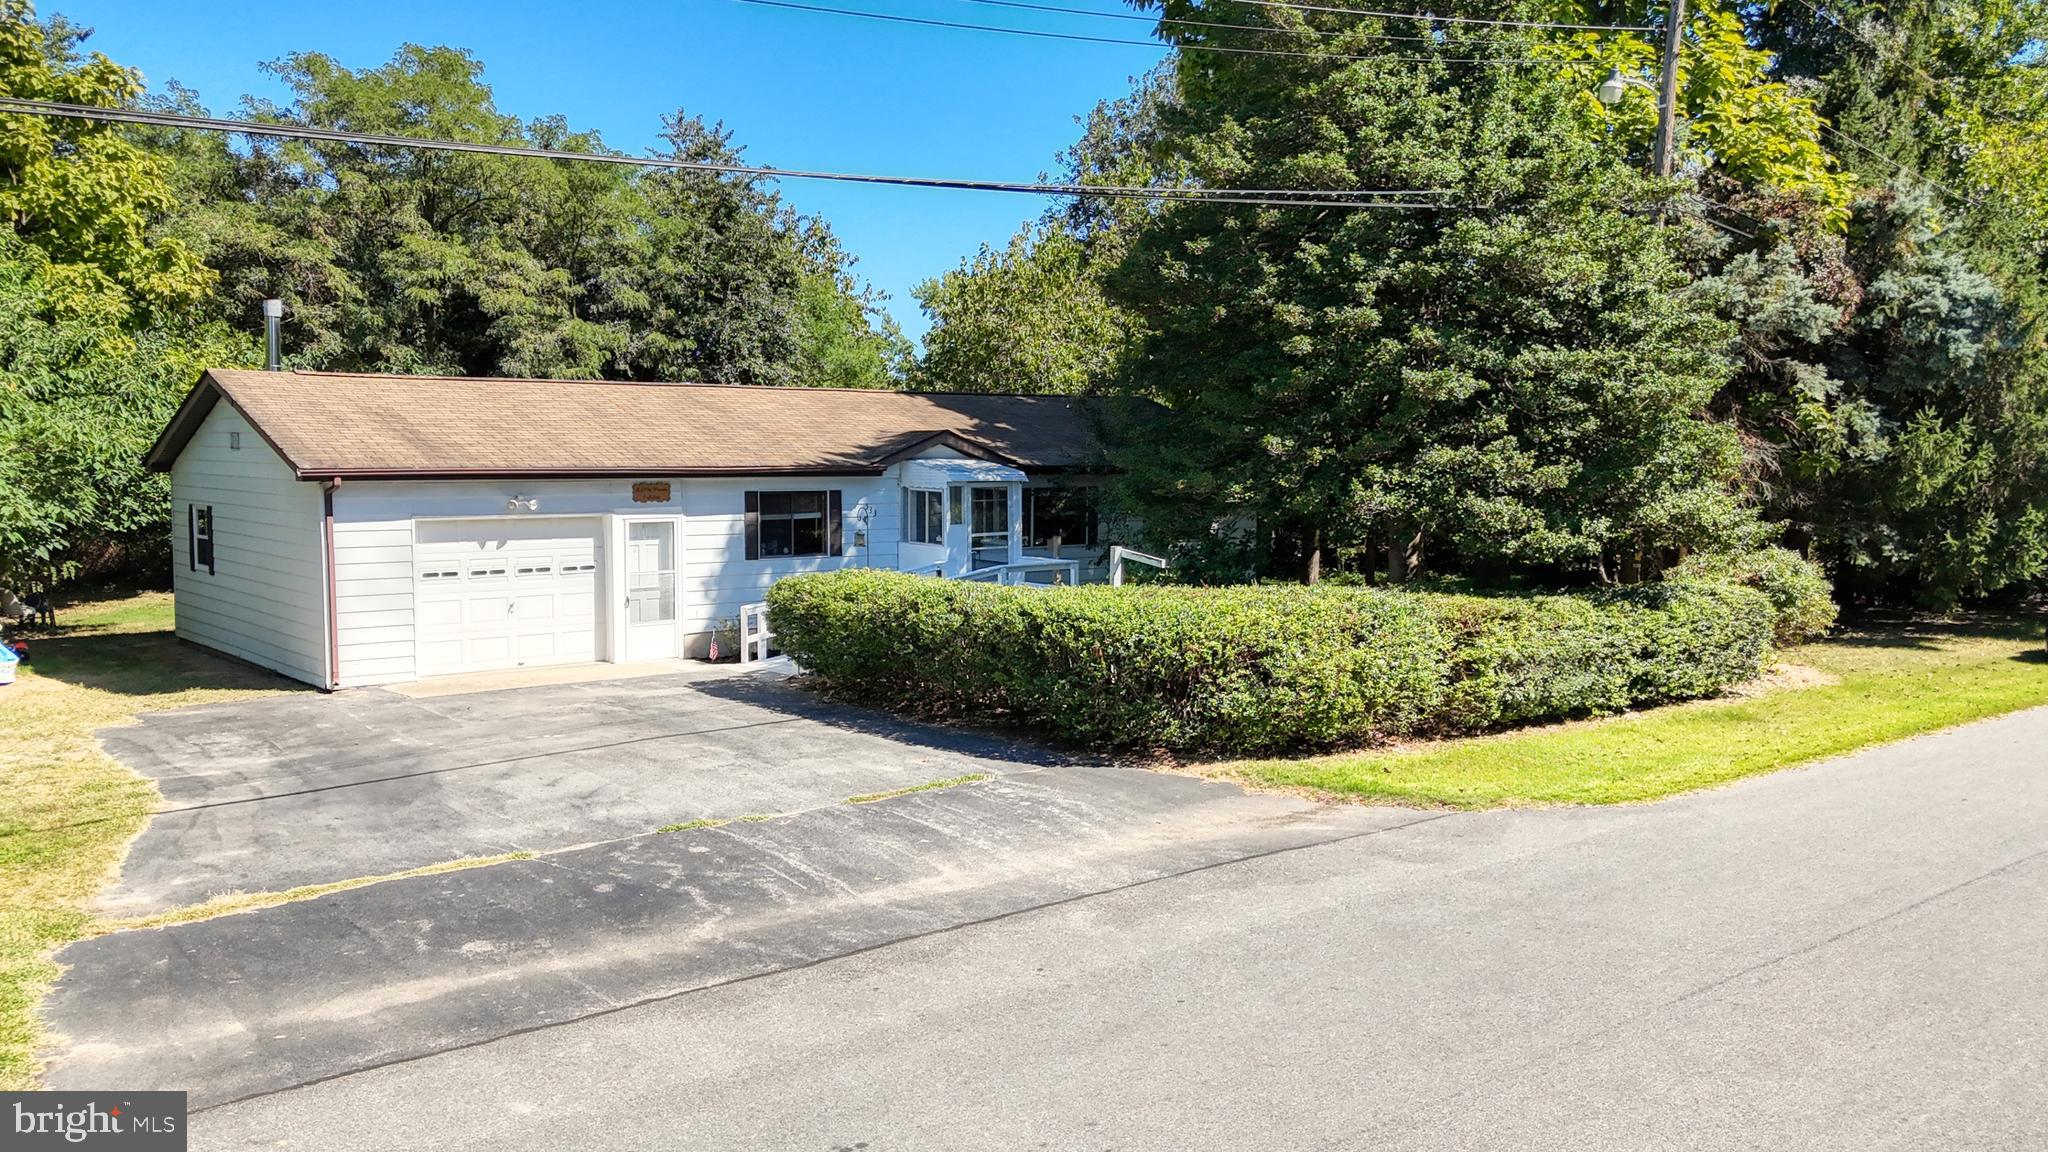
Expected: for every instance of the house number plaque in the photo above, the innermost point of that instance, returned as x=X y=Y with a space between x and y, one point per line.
x=650 y=492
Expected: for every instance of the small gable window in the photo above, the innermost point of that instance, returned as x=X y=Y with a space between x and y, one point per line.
x=199 y=536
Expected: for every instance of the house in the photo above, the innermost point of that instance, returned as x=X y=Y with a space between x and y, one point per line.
x=351 y=529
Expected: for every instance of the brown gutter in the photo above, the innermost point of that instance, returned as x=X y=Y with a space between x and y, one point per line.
x=333 y=598
x=739 y=470
x=582 y=473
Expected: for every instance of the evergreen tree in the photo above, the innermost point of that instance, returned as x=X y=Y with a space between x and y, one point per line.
x=1894 y=391
x=1517 y=380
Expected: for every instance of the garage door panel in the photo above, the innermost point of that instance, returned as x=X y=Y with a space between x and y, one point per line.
x=488 y=651
x=533 y=609
x=440 y=653
x=439 y=613
x=502 y=593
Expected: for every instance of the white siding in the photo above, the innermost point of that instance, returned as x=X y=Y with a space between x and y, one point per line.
x=265 y=599
x=717 y=576
x=374 y=562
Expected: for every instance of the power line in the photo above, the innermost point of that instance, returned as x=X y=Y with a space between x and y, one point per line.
x=1700 y=215
x=1270 y=197
x=1898 y=166
x=1183 y=22
x=1435 y=19
x=1884 y=52
x=1856 y=33
x=1152 y=44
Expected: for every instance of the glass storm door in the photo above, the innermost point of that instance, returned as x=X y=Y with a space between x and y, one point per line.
x=650 y=589
x=988 y=527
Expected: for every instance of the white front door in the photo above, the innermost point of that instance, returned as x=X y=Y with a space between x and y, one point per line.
x=505 y=592
x=650 y=589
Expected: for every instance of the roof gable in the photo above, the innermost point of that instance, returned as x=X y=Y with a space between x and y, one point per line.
x=371 y=426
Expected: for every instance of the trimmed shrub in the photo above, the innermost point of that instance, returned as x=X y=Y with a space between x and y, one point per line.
x=1691 y=640
x=1802 y=599
x=1522 y=659
x=1259 y=669
x=1252 y=669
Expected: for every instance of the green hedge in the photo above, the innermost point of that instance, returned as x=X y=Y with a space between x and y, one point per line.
x=1802 y=599
x=1259 y=669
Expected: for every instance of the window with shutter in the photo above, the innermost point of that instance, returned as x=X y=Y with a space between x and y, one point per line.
x=783 y=524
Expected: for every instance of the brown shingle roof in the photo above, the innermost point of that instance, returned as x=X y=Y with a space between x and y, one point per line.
x=344 y=424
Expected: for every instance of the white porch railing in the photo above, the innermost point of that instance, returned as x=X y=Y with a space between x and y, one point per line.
x=754 y=633
x=1118 y=554
x=1065 y=572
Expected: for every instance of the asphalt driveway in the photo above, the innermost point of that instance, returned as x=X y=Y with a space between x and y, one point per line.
x=269 y=794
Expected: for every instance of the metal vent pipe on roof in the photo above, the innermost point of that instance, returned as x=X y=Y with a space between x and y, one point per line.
x=273 y=359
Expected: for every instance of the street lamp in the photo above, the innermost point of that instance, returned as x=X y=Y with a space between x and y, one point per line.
x=1616 y=85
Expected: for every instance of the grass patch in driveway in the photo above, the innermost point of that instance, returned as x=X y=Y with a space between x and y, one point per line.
x=949 y=782
x=1874 y=685
x=68 y=809
x=233 y=902
x=693 y=825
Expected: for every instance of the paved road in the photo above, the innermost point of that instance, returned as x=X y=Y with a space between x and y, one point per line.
x=1853 y=956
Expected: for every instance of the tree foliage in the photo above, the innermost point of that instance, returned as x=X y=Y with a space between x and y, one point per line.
x=1032 y=316
x=135 y=258
x=408 y=260
x=1894 y=385
x=82 y=395
x=82 y=195
x=1738 y=120
x=1029 y=318
x=97 y=337
x=1519 y=381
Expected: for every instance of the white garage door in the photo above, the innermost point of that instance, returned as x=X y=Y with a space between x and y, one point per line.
x=506 y=592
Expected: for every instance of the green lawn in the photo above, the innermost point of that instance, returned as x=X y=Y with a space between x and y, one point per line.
x=68 y=809
x=1876 y=685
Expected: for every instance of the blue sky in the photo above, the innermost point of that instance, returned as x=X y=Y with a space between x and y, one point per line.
x=799 y=90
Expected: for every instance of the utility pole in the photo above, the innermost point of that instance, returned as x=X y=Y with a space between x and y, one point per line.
x=1667 y=91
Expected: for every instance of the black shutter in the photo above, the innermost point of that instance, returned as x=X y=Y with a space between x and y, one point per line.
x=835 y=543
x=753 y=525
x=192 y=536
